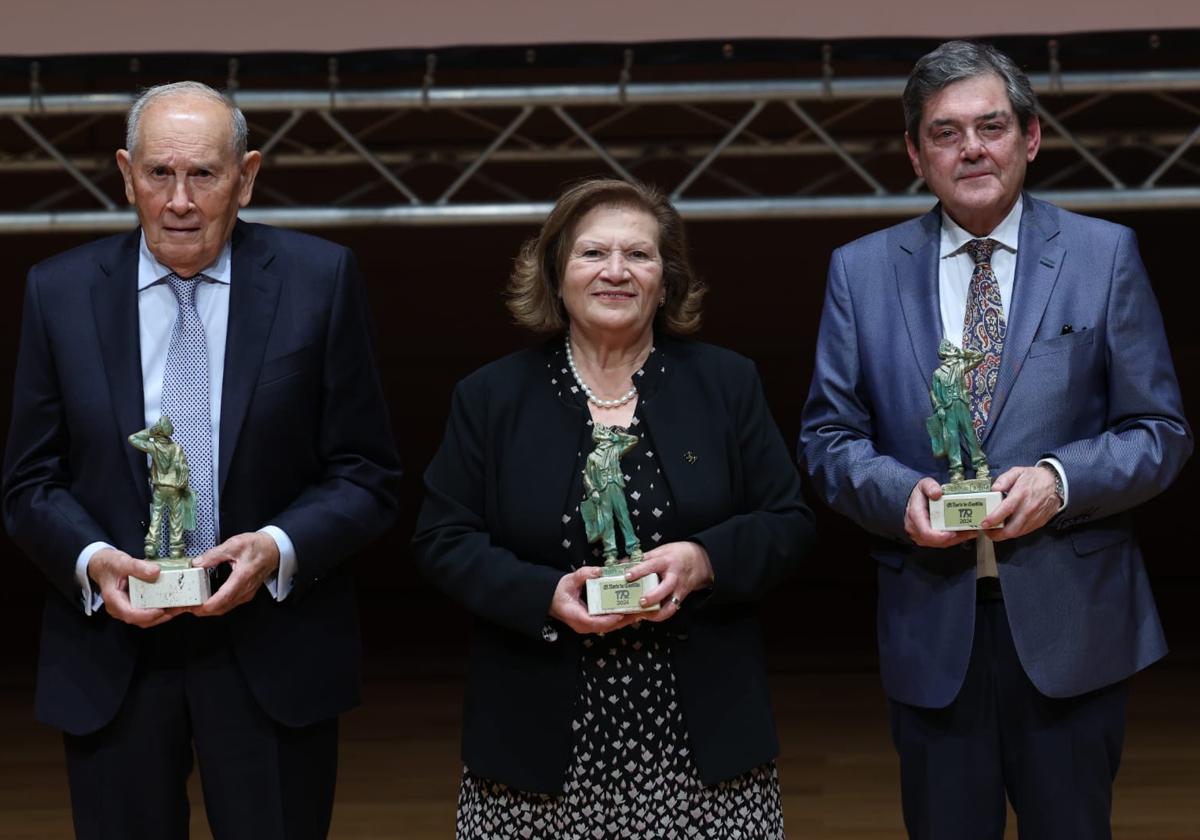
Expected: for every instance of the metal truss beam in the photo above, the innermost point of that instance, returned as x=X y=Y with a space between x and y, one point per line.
x=662 y=93
x=770 y=148
x=1167 y=140
x=522 y=213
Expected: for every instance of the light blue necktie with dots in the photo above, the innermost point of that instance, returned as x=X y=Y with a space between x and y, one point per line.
x=185 y=401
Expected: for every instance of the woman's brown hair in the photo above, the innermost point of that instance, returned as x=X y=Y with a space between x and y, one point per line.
x=533 y=288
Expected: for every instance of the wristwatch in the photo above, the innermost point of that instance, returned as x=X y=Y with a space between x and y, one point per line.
x=1058 y=483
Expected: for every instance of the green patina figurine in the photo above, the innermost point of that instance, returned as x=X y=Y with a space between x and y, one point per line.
x=605 y=507
x=950 y=424
x=171 y=497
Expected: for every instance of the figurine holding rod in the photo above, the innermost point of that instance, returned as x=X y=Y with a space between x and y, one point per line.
x=605 y=507
x=950 y=424
x=171 y=497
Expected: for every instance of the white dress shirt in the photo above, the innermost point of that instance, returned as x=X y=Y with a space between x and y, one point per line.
x=954 y=281
x=157 y=310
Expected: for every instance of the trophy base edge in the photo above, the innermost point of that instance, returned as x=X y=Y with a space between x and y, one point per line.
x=613 y=584
x=963 y=511
x=173 y=588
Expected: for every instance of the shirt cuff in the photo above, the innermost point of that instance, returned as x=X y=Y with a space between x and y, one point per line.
x=91 y=601
x=281 y=586
x=1057 y=466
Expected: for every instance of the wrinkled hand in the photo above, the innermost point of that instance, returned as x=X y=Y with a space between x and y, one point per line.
x=109 y=570
x=569 y=607
x=254 y=558
x=682 y=567
x=1031 y=502
x=916 y=518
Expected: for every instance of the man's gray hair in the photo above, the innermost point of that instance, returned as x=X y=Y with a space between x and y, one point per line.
x=955 y=61
x=238 y=131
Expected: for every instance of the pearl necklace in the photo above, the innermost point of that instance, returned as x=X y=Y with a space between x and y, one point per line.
x=587 y=392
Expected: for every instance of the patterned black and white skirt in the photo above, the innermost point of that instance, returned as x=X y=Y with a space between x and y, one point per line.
x=632 y=773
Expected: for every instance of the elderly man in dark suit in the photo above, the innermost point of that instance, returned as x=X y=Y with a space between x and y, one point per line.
x=255 y=342
x=1005 y=653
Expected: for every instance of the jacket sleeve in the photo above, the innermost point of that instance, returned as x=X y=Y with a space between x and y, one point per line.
x=356 y=498
x=41 y=513
x=1147 y=439
x=768 y=536
x=837 y=430
x=452 y=546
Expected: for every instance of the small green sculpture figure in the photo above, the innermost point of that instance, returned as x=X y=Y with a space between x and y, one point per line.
x=171 y=495
x=950 y=424
x=605 y=507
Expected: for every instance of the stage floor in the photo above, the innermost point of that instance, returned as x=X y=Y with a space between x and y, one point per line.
x=400 y=768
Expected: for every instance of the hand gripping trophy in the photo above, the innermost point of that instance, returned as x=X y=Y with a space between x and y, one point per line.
x=604 y=510
x=965 y=502
x=172 y=501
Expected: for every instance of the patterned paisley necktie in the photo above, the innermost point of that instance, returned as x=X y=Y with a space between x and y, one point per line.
x=185 y=401
x=983 y=329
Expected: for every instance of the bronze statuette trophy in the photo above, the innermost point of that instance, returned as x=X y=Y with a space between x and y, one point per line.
x=604 y=510
x=179 y=584
x=964 y=502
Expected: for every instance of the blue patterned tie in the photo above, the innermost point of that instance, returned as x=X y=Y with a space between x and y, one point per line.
x=185 y=401
x=983 y=330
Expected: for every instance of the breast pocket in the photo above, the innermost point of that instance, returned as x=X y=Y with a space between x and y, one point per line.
x=1061 y=343
x=284 y=367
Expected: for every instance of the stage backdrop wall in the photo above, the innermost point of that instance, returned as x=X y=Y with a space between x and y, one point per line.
x=36 y=27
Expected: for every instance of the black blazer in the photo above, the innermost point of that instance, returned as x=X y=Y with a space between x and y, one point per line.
x=489 y=534
x=305 y=444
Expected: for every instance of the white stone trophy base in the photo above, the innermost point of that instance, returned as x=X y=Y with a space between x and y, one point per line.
x=963 y=511
x=612 y=594
x=174 y=588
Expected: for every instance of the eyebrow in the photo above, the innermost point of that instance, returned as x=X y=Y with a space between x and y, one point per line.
x=990 y=115
x=638 y=243
x=210 y=165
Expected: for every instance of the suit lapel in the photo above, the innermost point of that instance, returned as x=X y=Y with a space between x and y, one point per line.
x=917 y=283
x=253 y=297
x=115 y=307
x=1039 y=261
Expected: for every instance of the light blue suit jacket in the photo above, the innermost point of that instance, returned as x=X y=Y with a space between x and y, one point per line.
x=1102 y=399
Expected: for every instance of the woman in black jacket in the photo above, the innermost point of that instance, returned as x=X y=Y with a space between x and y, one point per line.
x=655 y=724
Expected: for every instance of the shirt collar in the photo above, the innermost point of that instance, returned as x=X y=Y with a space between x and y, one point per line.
x=150 y=270
x=1007 y=233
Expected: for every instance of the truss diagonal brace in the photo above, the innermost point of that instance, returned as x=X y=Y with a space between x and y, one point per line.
x=71 y=168
x=500 y=140
x=826 y=138
x=729 y=137
x=1174 y=156
x=376 y=164
x=280 y=133
x=592 y=143
x=1083 y=150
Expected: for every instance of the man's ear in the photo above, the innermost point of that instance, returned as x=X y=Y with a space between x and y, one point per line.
x=914 y=155
x=125 y=164
x=1033 y=138
x=251 y=161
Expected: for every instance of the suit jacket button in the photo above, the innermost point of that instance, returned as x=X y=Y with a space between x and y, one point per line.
x=549 y=634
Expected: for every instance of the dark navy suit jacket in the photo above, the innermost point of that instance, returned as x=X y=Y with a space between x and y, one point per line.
x=1102 y=399
x=305 y=444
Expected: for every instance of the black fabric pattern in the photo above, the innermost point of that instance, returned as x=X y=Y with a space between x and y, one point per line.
x=632 y=774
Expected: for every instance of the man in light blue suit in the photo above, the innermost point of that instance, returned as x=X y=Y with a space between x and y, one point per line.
x=1005 y=657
